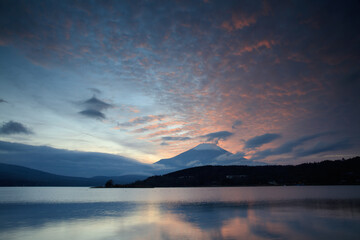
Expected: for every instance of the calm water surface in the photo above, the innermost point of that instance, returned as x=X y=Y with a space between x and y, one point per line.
x=42 y=213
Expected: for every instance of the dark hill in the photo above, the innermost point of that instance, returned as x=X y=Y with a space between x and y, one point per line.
x=339 y=172
x=12 y=175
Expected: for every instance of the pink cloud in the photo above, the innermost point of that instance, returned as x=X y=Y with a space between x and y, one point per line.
x=142 y=120
x=164 y=133
x=158 y=126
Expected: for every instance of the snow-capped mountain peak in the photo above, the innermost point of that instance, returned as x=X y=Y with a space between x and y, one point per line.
x=201 y=155
x=207 y=146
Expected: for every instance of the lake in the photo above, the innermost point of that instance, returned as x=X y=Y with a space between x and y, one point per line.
x=296 y=212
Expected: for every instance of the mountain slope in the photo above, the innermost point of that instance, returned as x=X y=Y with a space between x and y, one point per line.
x=12 y=175
x=202 y=155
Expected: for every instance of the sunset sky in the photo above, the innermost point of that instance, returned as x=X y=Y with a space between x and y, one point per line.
x=274 y=81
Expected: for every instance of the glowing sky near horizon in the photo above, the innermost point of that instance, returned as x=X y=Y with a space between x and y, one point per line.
x=274 y=81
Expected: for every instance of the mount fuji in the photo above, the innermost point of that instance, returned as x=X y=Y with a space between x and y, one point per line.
x=202 y=155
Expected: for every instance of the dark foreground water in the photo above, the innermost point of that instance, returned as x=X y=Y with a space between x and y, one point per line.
x=326 y=212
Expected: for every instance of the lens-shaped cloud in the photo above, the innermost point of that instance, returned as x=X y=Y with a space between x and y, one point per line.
x=12 y=127
x=217 y=136
x=94 y=108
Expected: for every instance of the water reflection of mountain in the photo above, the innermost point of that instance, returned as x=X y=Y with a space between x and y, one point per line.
x=210 y=215
x=206 y=215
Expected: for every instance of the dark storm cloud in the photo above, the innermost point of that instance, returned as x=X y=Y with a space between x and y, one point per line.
x=287 y=147
x=258 y=141
x=175 y=138
x=236 y=124
x=9 y=147
x=217 y=136
x=12 y=127
x=93 y=114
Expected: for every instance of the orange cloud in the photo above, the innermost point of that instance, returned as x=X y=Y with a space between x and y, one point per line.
x=256 y=46
x=227 y=26
x=240 y=20
x=142 y=120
